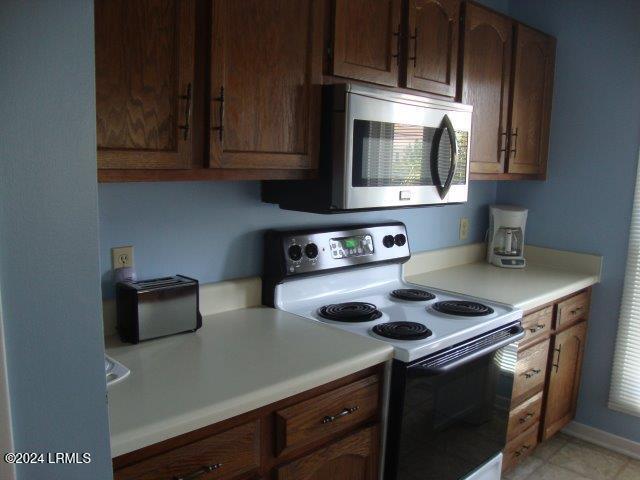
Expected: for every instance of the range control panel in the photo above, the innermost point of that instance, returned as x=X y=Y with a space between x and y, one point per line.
x=308 y=251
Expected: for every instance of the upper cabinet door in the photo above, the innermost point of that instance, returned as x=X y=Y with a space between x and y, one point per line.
x=366 y=41
x=486 y=70
x=531 y=101
x=144 y=83
x=433 y=46
x=266 y=75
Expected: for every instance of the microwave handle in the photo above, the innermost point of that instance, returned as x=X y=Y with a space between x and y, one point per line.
x=517 y=334
x=443 y=187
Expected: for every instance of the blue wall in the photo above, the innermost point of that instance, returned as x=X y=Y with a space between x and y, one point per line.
x=49 y=236
x=213 y=231
x=586 y=203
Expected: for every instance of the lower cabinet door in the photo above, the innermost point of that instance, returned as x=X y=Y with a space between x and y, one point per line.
x=564 y=378
x=352 y=458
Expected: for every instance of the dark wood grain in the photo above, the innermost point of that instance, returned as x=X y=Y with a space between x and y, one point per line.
x=153 y=457
x=486 y=69
x=563 y=384
x=267 y=56
x=353 y=458
x=235 y=451
x=433 y=41
x=366 y=39
x=531 y=98
x=202 y=175
x=302 y=423
x=144 y=63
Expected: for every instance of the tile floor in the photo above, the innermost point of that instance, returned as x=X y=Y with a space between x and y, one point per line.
x=567 y=458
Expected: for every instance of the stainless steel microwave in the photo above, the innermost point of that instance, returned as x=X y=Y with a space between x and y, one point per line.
x=383 y=149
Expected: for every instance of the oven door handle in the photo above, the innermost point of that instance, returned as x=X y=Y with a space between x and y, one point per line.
x=518 y=334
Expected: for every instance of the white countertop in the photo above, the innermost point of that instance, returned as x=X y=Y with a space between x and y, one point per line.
x=549 y=275
x=239 y=361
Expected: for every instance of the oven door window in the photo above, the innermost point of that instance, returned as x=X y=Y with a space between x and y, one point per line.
x=395 y=154
x=454 y=422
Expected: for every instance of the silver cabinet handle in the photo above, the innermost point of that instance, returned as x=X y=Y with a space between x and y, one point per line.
x=540 y=326
x=525 y=418
x=199 y=473
x=531 y=373
x=346 y=411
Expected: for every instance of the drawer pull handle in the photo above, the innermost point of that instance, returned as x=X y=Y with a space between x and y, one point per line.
x=532 y=373
x=187 y=112
x=557 y=362
x=200 y=472
x=346 y=411
x=525 y=418
x=576 y=310
x=539 y=326
x=521 y=450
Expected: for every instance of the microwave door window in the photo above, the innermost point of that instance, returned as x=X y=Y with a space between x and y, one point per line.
x=391 y=154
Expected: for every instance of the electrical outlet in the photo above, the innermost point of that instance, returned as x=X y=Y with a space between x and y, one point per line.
x=464 y=228
x=122 y=257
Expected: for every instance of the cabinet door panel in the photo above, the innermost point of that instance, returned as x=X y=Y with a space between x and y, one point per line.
x=352 y=458
x=144 y=73
x=485 y=85
x=366 y=42
x=531 y=101
x=265 y=83
x=433 y=46
x=564 y=378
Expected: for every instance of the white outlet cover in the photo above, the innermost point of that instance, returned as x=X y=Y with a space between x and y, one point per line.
x=122 y=257
x=464 y=228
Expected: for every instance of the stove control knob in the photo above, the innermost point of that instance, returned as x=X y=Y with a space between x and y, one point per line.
x=388 y=241
x=311 y=250
x=295 y=252
x=400 y=239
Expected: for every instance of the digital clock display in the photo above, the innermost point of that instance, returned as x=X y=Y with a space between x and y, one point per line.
x=356 y=246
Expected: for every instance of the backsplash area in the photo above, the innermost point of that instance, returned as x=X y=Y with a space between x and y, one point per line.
x=213 y=231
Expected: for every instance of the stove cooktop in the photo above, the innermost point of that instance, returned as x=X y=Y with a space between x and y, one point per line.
x=447 y=317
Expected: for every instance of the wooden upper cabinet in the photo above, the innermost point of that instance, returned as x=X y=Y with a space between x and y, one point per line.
x=433 y=46
x=564 y=378
x=534 y=62
x=486 y=68
x=266 y=75
x=366 y=40
x=144 y=53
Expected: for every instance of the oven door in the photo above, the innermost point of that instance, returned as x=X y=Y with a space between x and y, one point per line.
x=449 y=412
x=403 y=150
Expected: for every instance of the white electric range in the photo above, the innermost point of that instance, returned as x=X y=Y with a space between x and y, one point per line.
x=454 y=356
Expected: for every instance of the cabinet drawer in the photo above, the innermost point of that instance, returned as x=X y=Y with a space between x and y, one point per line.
x=572 y=310
x=353 y=457
x=520 y=448
x=219 y=457
x=327 y=415
x=536 y=325
x=530 y=372
x=524 y=416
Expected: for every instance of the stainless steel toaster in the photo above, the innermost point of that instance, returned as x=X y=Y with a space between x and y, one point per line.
x=157 y=307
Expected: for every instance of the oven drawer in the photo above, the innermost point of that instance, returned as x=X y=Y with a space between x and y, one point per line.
x=327 y=415
x=531 y=369
x=218 y=457
x=524 y=416
x=537 y=325
x=572 y=310
x=520 y=448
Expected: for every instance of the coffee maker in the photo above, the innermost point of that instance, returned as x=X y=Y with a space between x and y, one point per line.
x=505 y=245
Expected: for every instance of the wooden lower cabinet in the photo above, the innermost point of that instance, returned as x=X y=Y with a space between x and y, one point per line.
x=564 y=378
x=353 y=458
x=330 y=432
x=547 y=374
